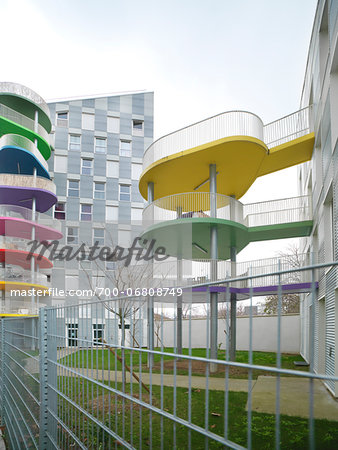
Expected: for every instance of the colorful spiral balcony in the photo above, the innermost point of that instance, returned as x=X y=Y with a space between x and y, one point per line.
x=26 y=192
x=193 y=178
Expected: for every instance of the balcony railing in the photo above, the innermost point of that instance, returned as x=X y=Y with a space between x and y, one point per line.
x=20 y=212
x=273 y=212
x=22 y=142
x=197 y=205
x=28 y=181
x=185 y=273
x=192 y=205
x=232 y=123
x=288 y=128
x=25 y=121
x=15 y=275
x=24 y=91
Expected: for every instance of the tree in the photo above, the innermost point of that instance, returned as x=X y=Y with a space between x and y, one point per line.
x=290 y=302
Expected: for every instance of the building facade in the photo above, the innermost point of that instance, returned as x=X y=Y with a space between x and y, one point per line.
x=96 y=164
x=319 y=177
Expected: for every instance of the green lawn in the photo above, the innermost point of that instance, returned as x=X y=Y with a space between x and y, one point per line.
x=133 y=422
x=103 y=358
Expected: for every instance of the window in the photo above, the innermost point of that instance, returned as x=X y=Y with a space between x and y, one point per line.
x=99 y=190
x=100 y=145
x=125 y=192
x=72 y=235
x=125 y=148
x=74 y=142
x=98 y=333
x=60 y=164
x=137 y=127
x=99 y=236
x=88 y=121
x=72 y=282
x=136 y=214
x=113 y=124
x=112 y=213
x=60 y=211
x=73 y=188
x=62 y=119
x=87 y=167
x=86 y=212
x=112 y=169
x=136 y=170
x=110 y=265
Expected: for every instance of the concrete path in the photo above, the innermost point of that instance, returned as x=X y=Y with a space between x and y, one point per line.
x=294 y=397
x=215 y=384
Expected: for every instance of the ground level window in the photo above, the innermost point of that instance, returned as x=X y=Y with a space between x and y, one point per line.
x=72 y=329
x=98 y=333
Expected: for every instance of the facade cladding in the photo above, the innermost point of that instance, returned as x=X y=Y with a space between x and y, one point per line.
x=99 y=145
x=320 y=178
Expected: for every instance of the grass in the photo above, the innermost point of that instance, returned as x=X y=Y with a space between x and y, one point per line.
x=104 y=359
x=135 y=423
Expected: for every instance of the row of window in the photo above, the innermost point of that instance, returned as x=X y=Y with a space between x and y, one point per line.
x=99 y=190
x=100 y=145
x=87 y=167
x=86 y=212
x=88 y=123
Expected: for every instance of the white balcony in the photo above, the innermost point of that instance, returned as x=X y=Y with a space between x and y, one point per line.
x=231 y=123
x=197 y=205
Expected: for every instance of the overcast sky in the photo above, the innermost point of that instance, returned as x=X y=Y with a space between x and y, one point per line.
x=199 y=57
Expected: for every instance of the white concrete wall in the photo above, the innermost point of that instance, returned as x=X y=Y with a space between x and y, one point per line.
x=264 y=333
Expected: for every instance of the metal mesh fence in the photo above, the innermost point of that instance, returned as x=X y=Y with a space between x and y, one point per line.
x=100 y=375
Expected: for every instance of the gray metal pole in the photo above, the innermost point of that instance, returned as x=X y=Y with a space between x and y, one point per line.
x=179 y=307
x=213 y=268
x=233 y=308
x=150 y=305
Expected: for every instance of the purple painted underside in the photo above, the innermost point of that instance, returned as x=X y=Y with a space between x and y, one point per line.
x=23 y=196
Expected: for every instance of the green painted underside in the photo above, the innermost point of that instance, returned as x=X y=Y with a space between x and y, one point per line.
x=9 y=127
x=177 y=236
x=26 y=107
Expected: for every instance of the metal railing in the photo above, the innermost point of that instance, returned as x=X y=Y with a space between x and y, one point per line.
x=24 y=91
x=174 y=273
x=273 y=212
x=231 y=123
x=288 y=128
x=19 y=212
x=19 y=180
x=23 y=120
x=23 y=142
x=17 y=275
x=192 y=205
x=197 y=205
x=87 y=376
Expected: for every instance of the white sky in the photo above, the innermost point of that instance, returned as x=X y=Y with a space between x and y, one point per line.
x=199 y=57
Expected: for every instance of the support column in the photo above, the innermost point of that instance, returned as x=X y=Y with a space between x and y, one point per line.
x=213 y=268
x=233 y=308
x=150 y=302
x=179 y=307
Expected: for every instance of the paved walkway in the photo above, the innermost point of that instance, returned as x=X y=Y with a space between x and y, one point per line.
x=294 y=391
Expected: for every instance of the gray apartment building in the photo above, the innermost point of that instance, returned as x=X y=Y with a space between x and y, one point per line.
x=97 y=160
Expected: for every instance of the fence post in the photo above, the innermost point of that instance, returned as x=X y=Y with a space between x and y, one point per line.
x=43 y=379
x=2 y=381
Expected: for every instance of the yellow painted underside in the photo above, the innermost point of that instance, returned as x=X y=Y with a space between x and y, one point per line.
x=239 y=161
x=11 y=285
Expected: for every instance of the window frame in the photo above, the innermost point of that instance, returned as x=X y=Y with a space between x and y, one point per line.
x=85 y=214
x=78 y=189
x=98 y=139
x=84 y=167
x=59 y=212
x=121 y=150
x=124 y=193
x=76 y=236
x=72 y=143
x=101 y=183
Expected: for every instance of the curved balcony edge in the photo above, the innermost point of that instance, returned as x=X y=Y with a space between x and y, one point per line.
x=25 y=99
